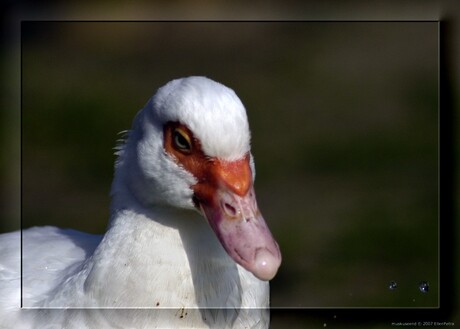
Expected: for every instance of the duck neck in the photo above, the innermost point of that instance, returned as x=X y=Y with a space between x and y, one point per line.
x=161 y=256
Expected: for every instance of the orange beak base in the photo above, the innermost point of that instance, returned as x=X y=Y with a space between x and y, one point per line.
x=226 y=197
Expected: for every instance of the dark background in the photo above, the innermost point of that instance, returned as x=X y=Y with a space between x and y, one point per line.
x=344 y=120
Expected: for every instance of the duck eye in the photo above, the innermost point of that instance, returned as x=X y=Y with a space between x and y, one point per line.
x=181 y=141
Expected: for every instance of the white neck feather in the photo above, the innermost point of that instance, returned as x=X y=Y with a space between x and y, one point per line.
x=167 y=263
x=163 y=258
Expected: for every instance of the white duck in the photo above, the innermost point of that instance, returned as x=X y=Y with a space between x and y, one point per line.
x=159 y=265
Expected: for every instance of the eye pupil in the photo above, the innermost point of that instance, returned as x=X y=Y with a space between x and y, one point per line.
x=181 y=141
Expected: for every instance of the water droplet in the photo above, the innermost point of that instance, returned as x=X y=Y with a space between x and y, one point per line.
x=324 y=325
x=335 y=316
x=424 y=286
x=393 y=285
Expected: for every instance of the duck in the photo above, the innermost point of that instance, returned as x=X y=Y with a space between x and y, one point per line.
x=186 y=245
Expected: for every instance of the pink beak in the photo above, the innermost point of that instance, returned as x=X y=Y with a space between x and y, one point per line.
x=227 y=199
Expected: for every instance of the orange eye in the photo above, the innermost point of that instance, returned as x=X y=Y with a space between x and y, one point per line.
x=182 y=141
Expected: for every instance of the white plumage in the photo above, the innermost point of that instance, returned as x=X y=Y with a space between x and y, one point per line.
x=160 y=264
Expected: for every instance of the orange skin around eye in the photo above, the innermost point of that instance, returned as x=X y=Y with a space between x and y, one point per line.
x=224 y=194
x=210 y=172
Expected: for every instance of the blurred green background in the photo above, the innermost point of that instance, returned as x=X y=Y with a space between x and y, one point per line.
x=344 y=120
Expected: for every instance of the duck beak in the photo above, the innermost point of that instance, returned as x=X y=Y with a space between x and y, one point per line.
x=227 y=199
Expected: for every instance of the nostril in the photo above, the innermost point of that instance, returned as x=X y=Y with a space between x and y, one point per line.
x=229 y=209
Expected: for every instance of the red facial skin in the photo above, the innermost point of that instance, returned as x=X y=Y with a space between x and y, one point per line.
x=225 y=195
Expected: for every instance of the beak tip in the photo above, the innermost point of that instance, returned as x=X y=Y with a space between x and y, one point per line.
x=266 y=264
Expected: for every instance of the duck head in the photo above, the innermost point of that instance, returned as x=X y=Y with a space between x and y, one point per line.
x=190 y=148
